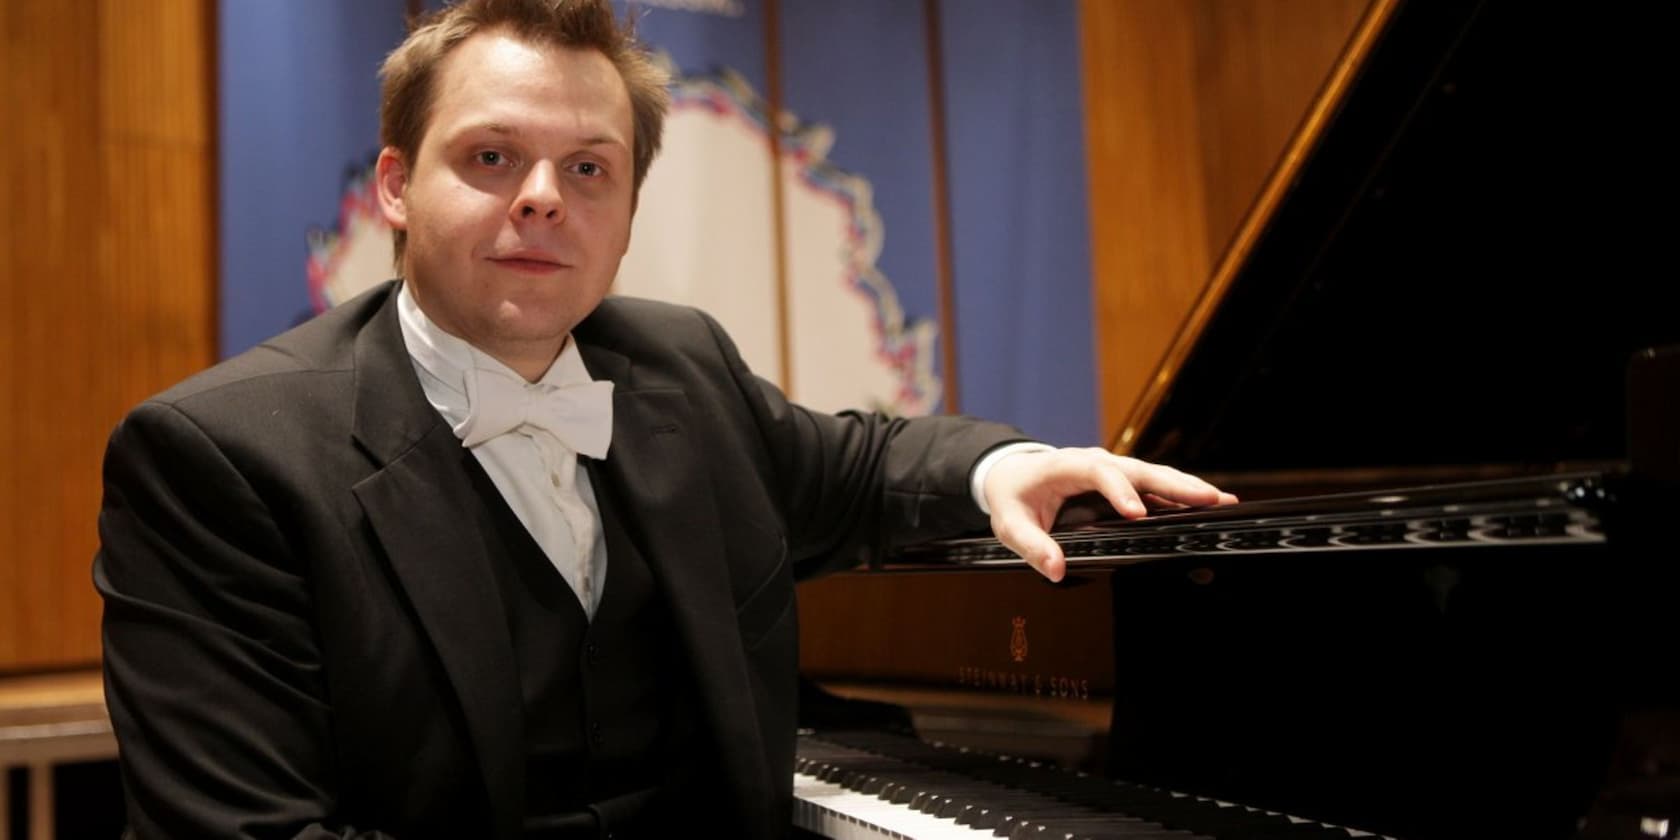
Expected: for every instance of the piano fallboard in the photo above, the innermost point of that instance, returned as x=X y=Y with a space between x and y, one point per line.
x=1548 y=510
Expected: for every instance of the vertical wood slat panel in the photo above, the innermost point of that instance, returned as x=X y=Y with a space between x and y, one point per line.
x=109 y=261
x=1142 y=138
x=1260 y=64
x=51 y=77
x=1188 y=106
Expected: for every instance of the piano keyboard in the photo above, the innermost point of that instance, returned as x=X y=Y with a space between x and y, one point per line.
x=855 y=785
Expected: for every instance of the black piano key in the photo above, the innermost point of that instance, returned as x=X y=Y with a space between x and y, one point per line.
x=1105 y=826
x=1157 y=833
x=925 y=801
x=953 y=807
x=1298 y=831
x=1017 y=798
x=1002 y=818
x=988 y=819
x=993 y=813
x=871 y=785
x=1161 y=834
x=1032 y=820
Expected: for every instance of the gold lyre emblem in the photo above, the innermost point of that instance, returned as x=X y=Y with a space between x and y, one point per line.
x=1018 y=640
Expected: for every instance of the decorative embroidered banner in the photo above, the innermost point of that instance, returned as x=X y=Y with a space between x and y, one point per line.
x=859 y=326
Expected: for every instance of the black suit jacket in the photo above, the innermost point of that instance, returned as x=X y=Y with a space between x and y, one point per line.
x=302 y=639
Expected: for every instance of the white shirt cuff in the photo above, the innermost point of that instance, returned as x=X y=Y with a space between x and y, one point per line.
x=977 y=479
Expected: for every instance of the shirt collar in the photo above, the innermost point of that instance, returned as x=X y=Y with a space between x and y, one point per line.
x=447 y=358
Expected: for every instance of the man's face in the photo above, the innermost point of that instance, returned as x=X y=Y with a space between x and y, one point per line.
x=518 y=202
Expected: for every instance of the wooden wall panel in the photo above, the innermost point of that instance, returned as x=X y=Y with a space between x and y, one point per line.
x=1142 y=139
x=1188 y=106
x=108 y=257
x=1259 y=65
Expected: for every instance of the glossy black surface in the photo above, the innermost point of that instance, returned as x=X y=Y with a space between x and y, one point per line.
x=1459 y=276
x=1465 y=264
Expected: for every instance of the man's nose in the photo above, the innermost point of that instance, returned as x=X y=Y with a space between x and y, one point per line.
x=539 y=196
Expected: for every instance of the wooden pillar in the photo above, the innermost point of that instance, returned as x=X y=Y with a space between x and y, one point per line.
x=107 y=259
x=41 y=801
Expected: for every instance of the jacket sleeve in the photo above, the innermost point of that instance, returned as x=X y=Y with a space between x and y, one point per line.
x=856 y=485
x=212 y=670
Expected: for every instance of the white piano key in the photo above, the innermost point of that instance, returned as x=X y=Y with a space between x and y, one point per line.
x=833 y=811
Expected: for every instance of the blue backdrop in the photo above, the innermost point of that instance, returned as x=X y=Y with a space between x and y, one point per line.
x=298 y=114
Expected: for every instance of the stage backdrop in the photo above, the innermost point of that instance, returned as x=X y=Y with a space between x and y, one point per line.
x=804 y=196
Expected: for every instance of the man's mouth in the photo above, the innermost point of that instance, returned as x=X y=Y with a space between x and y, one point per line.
x=529 y=263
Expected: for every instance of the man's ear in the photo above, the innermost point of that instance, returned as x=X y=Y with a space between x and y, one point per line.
x=391 y=172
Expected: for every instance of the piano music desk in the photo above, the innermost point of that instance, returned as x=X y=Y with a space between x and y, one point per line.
x=46 y=720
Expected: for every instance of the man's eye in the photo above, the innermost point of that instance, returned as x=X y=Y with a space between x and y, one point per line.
x=588 y=169
x=489 y=158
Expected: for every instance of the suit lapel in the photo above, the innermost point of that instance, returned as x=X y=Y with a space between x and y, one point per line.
x=669 y=508
x=415 y=502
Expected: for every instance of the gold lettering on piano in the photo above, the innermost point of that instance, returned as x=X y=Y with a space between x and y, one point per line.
x=1018 y=640
x=1034 y=685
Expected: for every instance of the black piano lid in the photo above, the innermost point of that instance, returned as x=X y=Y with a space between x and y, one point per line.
x=1463 y=265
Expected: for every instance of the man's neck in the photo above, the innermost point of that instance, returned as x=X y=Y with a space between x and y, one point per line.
x=531 y=367
x=530 y=360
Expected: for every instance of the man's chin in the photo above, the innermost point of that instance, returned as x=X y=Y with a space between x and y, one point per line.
x=533 y=326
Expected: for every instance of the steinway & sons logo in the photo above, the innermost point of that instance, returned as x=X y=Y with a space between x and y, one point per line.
x=1018 y=640
x=1015 y=682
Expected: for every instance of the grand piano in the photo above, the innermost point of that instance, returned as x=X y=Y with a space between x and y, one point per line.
x=1439 y=364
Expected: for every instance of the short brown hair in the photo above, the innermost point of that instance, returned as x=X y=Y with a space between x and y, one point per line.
x=409 y=73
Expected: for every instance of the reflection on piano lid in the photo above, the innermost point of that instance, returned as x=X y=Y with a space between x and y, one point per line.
x=1549 y=510
x=1449 y=285
x=1457 y=271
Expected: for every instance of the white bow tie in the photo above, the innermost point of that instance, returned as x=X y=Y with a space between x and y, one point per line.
x=579 y=415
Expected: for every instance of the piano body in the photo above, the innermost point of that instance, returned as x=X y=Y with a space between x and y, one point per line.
x=1446 y=607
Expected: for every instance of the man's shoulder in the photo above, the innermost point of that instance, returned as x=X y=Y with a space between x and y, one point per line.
x=640 y=324
x=621 y=310
x=301 y=358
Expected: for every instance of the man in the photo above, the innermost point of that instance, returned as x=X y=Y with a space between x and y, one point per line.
x=482 y=553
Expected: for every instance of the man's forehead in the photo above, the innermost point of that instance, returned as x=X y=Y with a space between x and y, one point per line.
x=490 y=82
x=502 y=57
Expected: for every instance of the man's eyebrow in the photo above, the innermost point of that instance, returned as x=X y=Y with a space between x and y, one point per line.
x=491 y=127
x=513 y=131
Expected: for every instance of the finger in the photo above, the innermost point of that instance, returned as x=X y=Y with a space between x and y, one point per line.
x=1015 y=527
x=1111 y=480
x=1170 y=484
x=1156 y=503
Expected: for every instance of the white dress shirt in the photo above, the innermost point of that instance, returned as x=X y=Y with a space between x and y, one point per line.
x=529 y=467
x=525 y=465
